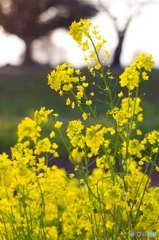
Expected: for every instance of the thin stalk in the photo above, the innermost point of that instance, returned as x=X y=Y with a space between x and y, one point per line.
x=141 y=199
x=103 y=74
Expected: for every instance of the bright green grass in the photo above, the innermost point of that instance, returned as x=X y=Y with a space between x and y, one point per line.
x=23 y=92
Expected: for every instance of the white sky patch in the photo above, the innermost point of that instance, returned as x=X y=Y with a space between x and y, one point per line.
x=142 y=36
x=68 y=49
x=11 y=49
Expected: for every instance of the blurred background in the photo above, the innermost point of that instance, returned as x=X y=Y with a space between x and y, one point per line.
x=34 y=39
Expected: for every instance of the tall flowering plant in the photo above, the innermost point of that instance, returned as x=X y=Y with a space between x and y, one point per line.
x=115 y=200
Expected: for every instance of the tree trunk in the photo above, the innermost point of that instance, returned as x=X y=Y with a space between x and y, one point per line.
x=118 y=50
x=27 y=57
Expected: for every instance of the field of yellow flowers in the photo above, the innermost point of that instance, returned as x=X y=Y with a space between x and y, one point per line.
x=115 y=200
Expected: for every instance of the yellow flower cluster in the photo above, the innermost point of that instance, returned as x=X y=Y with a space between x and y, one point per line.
x=132 y=75
x=74 y=131
x=152 y=140
x=35 y=199
x=144 y=61
x=134 y=149
x=95 y=138
x=42 y=115
x=32 y=194
x=30 y=133
x=28 y=128
x=130 y=78
x=80 y=30
x=67 y=79
x=88 y=141
x=92 y=43
x=62 y=78
x=129 y=109
x=153 y=137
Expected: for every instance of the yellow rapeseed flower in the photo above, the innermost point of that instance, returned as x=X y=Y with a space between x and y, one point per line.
x=58 y=124
x=28 y=128
x=145 y=61
x=84 y=116
x=130 y=78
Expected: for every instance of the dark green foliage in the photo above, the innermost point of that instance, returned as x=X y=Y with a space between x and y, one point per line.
x=23 y=92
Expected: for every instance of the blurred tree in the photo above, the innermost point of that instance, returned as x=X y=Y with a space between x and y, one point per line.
x=122 y=20
x=31 y=19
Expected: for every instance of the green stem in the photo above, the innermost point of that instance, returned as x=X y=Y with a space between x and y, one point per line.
x=103 y=74
x=141 y=199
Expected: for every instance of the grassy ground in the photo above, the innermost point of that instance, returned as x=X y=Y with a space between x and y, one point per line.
x=24 y=90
